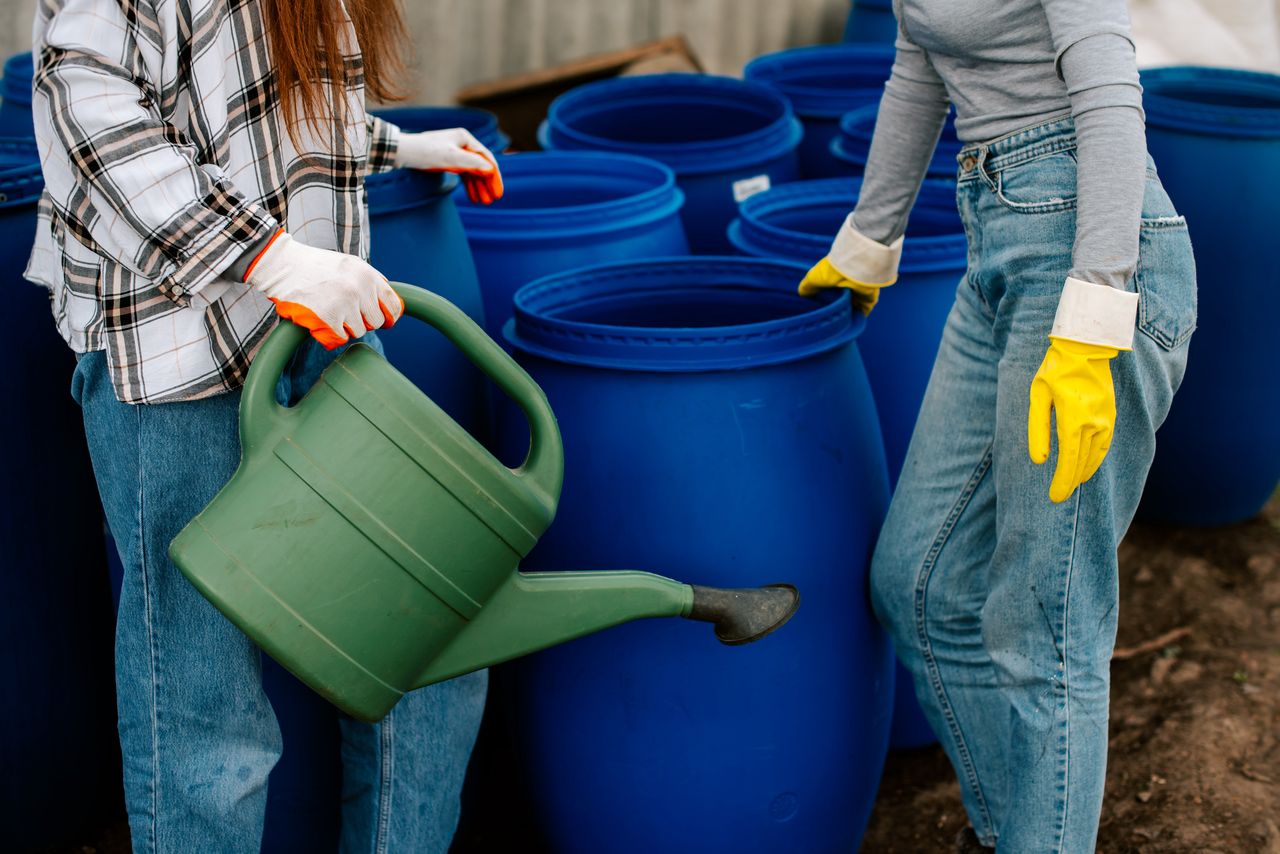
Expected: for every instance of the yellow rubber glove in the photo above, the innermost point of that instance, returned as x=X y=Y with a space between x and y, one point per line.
x=825 y=275
x=1075 y=382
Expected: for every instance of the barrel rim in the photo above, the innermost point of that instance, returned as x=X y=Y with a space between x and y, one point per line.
x=860 y=124
x=1169 y=112
x=816 y=101
x=780 y=136
x=830 y=325
x=750 y=234
x=661 y=201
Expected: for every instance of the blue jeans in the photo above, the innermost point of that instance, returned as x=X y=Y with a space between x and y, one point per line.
x=1001 y=604
x=197 y=732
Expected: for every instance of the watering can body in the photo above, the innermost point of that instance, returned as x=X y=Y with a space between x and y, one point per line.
x=370 y=545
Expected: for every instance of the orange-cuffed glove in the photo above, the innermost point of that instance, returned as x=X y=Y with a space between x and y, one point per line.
x=337 y=297
x=453 y=150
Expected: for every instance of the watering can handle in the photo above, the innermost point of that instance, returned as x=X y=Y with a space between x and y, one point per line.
x=544 y=465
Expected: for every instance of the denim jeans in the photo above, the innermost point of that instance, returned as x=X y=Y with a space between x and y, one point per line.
x=197 y=732
x=1002 y=604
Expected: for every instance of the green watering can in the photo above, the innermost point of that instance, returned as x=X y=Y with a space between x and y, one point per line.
x=370 y=544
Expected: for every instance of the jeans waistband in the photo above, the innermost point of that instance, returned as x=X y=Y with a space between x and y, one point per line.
x=1016 y=147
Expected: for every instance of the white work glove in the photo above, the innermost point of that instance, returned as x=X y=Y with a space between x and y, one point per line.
x=453 y=150
x=335 y=296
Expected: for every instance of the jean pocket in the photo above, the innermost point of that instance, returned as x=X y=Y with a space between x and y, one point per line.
x=1043 y=185
x=1166 y=281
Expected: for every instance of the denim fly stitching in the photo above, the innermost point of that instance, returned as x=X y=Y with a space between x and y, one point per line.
x=152 y=646
x=386 y=761
x=935 y=679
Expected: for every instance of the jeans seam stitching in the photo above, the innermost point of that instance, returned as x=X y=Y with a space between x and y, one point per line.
x=1066 y=673
x=152 y=648
x=384 y=801
x=935 y=681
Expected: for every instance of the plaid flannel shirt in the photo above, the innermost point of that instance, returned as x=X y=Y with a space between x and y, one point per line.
x=166 y=160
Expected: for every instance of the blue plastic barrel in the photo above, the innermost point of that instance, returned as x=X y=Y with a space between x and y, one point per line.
x=850 y=147
x=569 y=209
x=417 y=237
x=482 y=123
x=871 y=21
x=58 y=750
x=823 y=82
x=15 y=96
x=724 y=138
x=719 y=428
x=1215 y=137
x=798 y=222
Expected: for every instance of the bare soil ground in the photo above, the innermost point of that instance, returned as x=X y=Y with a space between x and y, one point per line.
x=1195 y=707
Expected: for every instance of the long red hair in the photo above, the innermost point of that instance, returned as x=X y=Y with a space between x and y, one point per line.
x=307 y=47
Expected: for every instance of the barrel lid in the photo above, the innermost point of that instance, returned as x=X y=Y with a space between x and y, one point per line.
x=1222 y=102
x=772 y=131
x=18 y=72
x=553 y=194
x=825 y=81
x=680 y=315
x=798 y=220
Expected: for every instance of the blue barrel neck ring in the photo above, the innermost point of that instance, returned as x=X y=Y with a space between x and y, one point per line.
x=1220 y=102
x=626 y=192
x=825 y=81
x=405 y=189
x=775 y=129
x=19 y=70
x=738 y=313
x=762 y=230
x=482 y=123
x=853 y=143
x=21 y=180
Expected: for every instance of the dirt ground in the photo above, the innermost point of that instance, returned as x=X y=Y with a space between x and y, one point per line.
x=1195 y=743
x=1195 y=707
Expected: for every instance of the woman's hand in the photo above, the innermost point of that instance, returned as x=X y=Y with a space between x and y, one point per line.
x=858 y=263
x=1075 y=382
x=1093 y=324
x=336 y=296
x=825 y=275
x=453 y=150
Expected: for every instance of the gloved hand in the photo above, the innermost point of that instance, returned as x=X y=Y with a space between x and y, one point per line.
x=334 y=295
x=1094 y=323
x=1074 y=380
x=453 y=150
x=858 y=263
x=825 y=275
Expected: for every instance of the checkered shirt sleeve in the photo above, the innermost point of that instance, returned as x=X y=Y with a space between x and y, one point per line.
x=166 y=159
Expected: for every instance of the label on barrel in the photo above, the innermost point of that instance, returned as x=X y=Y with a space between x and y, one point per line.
x=748 y=187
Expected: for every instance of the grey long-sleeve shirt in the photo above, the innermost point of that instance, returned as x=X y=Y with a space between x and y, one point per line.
x=1006 y=65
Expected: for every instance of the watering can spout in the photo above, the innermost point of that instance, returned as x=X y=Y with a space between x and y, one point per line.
x=533 y=611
